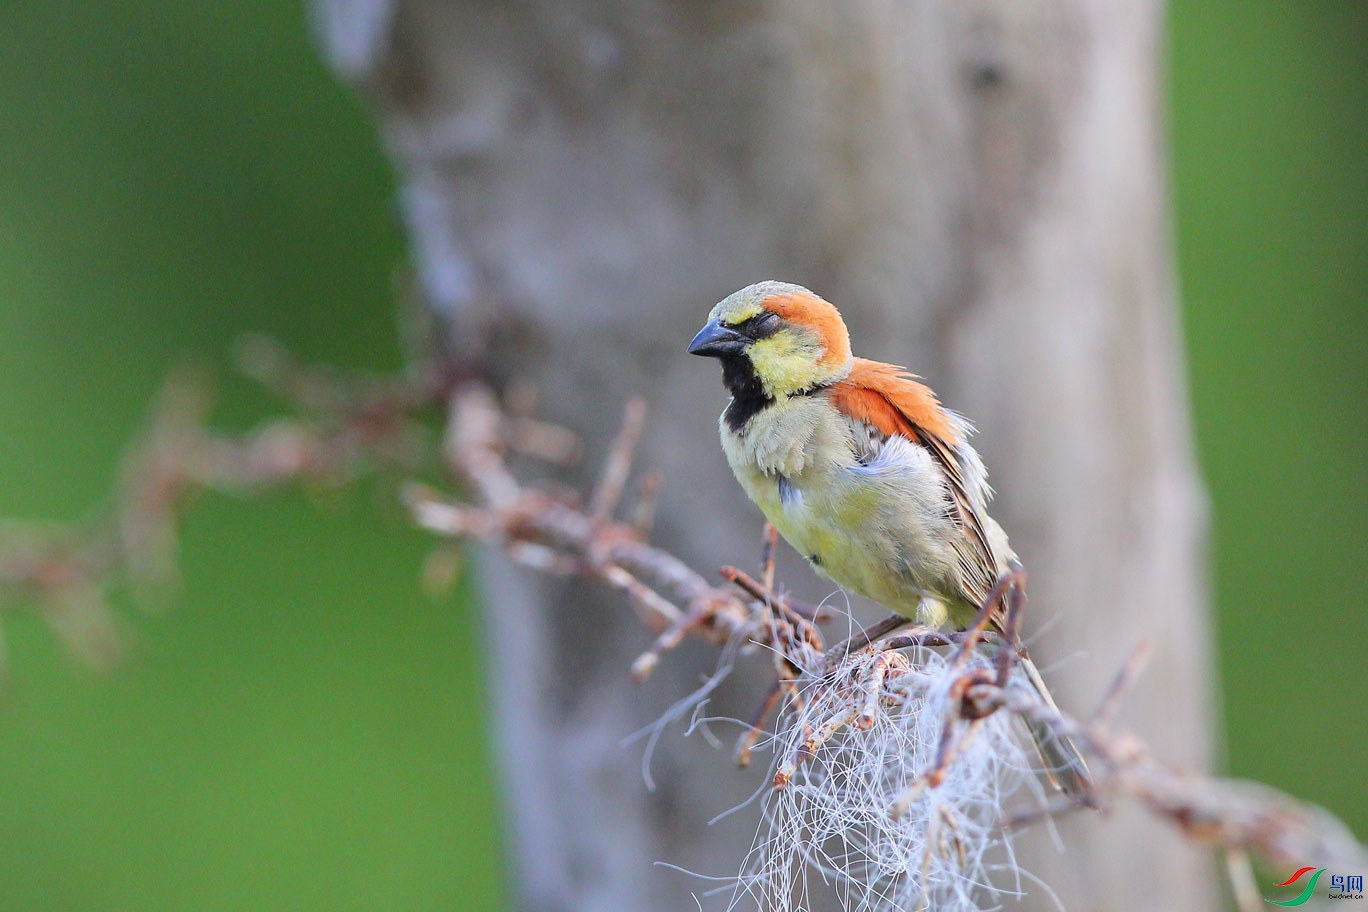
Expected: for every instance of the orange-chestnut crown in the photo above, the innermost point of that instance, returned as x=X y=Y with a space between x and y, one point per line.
x=791 y=338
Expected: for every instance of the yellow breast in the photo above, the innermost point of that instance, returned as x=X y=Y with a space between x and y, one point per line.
x=879 y=531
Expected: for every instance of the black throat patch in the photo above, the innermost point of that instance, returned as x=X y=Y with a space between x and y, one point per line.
x=748 y=394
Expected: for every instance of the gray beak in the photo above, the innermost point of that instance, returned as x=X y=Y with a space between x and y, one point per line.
x=715 y=340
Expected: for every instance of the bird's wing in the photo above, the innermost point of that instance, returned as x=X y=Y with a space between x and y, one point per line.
x=891 y=402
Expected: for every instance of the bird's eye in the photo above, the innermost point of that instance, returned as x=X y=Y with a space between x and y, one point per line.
x=765 y=323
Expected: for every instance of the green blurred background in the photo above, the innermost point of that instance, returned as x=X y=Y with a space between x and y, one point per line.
x=304 y=731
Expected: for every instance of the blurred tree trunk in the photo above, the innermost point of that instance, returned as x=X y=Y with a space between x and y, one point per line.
x=978 y=185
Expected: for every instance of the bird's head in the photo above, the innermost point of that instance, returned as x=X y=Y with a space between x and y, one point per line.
x=778 y=336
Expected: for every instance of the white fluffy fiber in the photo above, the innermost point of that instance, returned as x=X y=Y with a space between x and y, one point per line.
x=830 y=839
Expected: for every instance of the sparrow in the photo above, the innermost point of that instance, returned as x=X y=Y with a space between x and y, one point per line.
x=864 y=472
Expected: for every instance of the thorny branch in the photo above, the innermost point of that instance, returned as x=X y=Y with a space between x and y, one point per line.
x=552 y=531
x=345 y=426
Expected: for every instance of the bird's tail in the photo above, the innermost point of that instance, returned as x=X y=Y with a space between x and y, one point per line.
x=1064 y=765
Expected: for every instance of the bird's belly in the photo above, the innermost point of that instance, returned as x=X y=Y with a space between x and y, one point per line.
x=865 y=538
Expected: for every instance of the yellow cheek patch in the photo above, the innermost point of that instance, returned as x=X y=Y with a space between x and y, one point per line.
x=786 y=362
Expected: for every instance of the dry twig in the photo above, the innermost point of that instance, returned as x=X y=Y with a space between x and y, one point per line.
x=845 y=699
